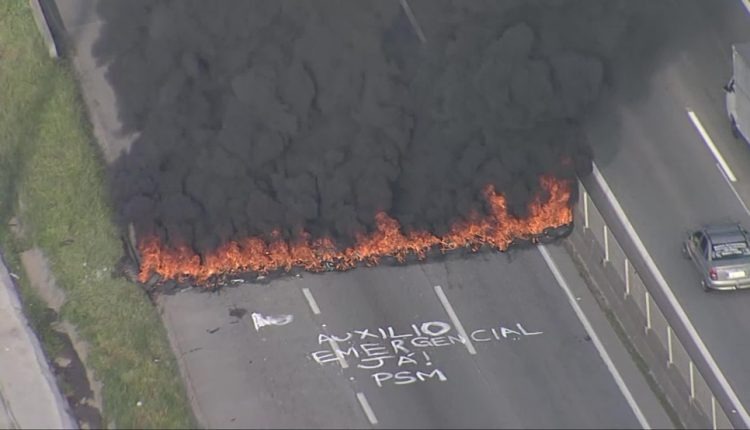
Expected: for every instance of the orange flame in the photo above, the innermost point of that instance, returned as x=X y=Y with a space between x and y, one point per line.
x=498 y=230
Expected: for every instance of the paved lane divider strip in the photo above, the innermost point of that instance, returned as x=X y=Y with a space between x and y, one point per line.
x=311 y=301
x=595 y=338
x=454 y=318
x=711 y=146
x=366 y=406
x=673 y=302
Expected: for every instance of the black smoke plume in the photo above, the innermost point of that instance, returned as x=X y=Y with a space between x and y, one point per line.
x=260 y=115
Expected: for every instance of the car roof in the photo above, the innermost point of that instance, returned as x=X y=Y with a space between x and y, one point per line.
x=723 y=233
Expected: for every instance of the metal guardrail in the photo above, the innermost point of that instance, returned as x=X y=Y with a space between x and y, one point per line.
x=656 y=321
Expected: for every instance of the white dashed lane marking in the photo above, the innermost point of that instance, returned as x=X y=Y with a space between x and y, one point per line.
x=366 y=406
x=454 y=318
x=711 y=146
x=311 y=301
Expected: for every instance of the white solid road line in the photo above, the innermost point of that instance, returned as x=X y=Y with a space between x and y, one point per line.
x=413 y=20
x=454 y=318
x=736 y=194
x=662 y=283
x=311 y=301
x=715 y=151
x=595 y=338
x=366 y=406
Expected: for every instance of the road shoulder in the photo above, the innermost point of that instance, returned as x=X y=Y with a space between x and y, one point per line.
x=649 y=403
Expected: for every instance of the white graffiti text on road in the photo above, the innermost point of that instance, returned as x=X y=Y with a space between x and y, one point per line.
x=262 y=321
x=401 y=357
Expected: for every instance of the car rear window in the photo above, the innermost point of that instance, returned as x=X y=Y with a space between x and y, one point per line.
x=726 y=251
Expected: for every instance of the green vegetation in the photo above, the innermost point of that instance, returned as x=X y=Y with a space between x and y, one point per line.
x=49 y=162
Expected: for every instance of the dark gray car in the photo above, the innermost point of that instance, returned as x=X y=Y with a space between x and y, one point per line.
x=721 y=253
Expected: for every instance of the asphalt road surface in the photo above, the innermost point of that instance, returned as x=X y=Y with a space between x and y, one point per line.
x=533 y=364
x=666 y=177
x=260 y=355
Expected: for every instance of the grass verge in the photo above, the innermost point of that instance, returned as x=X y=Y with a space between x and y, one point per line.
x=49 y=161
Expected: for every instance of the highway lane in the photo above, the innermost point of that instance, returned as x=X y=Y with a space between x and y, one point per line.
x=665 y=176
x=704 y=68
x=540 y=371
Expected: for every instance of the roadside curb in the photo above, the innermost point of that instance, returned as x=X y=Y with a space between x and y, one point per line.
x=32 y=398
x=44 y=28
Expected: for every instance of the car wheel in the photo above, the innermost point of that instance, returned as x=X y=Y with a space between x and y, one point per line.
x=735 y=130
x=705 y=286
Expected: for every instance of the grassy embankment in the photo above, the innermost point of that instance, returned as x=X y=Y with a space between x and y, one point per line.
x=48 y=161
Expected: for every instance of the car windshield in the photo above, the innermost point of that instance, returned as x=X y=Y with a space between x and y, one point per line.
x=728 y=251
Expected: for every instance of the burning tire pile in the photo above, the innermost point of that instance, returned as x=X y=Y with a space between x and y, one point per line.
x=547 y=220
x=277 y=135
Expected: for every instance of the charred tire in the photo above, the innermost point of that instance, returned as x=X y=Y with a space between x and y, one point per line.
x=554 y=234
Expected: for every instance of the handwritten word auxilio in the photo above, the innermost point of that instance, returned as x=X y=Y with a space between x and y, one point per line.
x=367 y=348
x=431 y=334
